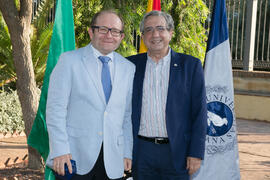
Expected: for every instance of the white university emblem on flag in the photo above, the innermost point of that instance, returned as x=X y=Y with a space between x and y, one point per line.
x=221 y=128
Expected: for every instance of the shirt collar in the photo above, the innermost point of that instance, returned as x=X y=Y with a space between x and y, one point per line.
x=163 y=60
x=97 y=53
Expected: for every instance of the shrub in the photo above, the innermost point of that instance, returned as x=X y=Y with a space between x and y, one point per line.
x=10 y=112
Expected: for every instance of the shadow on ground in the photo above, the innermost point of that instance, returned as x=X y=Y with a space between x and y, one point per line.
x=20 y=172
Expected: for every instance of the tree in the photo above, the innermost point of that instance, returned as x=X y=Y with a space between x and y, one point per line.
x=17 y=16
x=40 y=41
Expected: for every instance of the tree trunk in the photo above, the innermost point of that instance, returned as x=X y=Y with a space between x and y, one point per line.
x=19 y=25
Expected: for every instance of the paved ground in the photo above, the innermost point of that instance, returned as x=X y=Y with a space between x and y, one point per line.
x=253 y=141
x=254 y=149
x=12 y=149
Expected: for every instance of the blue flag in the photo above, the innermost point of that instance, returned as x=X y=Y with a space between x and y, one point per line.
x=221 y=149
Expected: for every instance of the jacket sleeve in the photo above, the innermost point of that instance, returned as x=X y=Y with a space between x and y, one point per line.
x=56 y=110
x=127 y=124
x=198 y=113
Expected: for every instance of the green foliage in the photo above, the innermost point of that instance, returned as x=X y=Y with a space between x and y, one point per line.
x=190 y=36
x=132 y=13
x=6 y=62
x=40 y=41
x=10 y=112
x=83 y=13
x=189 y=16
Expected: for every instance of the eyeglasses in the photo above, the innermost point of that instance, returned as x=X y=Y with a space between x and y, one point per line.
x=105 y=30
x=150 y=29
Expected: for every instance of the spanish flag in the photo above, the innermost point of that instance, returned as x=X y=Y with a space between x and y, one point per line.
x=151 y=6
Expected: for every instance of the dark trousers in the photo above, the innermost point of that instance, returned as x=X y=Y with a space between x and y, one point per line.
x=154 y=162
x=97 y=173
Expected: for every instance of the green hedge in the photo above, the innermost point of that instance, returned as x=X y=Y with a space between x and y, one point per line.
x=10 y=112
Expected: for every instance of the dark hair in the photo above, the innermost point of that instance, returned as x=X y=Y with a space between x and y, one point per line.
x=168 y=18
x=107 y=11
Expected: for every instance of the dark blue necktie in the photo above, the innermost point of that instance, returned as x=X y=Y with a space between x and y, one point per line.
x=106 y=77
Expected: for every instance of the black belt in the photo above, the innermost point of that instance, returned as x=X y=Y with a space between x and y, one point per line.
x=156 y=140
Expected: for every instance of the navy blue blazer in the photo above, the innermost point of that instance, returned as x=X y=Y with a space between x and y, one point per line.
x=186 y=109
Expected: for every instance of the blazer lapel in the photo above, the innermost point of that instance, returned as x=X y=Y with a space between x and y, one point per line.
x=175 y=87
x=138 y=89
x=91 y=67
x=175 y=68
x=117 y=75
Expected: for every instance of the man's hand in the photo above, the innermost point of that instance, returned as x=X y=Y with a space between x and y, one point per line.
x=127 y=164
x=59 y=164
x=193 y=164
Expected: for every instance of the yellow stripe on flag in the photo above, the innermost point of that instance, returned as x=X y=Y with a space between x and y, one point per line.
x=149 y=6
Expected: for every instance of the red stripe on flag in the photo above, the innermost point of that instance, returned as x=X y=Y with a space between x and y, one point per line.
x=156 y=5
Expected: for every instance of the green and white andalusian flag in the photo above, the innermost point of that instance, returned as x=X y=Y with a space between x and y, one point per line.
x=63 y=39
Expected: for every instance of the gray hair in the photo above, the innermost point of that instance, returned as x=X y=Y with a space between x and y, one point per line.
x=168 y=18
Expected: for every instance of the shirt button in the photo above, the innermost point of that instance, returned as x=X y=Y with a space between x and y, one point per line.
x=100 y=133
x=105 y=113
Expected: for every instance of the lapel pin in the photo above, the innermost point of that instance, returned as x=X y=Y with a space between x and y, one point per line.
x=175 y=65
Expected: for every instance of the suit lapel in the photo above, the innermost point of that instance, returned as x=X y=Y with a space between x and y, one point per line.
x=138 y=87
x=175 y=85
x=175 y=68
x=140 y=78
x=117 y=75
x=91 y=67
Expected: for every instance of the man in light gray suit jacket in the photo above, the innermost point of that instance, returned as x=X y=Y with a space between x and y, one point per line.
x=89 y=118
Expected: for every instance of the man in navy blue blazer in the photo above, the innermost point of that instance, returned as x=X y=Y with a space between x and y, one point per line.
x=169 y=112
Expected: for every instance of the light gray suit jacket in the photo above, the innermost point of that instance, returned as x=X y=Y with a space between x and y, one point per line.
x=78 y=118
